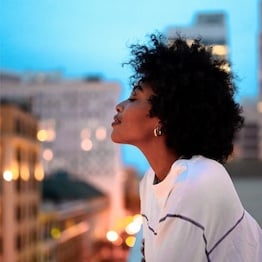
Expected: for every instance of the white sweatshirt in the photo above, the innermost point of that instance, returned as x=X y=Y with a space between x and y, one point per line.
x=195 y=215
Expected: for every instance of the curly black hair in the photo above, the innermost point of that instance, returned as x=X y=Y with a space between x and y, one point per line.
x=193 y=95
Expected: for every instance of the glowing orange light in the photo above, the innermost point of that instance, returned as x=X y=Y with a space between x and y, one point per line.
x=101 y=133
x=86 y=133
x=25 y=172
x=130 y=241
x=48 y=154
x=55 y=233
x=112 y=235
x=39 y=172
x=46 y=135
x=7 y=175
x=15 y=172
x=86 y=145
x=42 y=135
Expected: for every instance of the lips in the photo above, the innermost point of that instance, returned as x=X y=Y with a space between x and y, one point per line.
x=116 y=121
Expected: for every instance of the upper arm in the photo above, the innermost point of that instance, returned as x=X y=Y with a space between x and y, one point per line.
x=180 y=238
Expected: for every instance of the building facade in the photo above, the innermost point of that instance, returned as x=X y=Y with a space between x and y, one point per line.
x=211 y=28
x=21 y=173
x=69 y=231
x=259 y=104
x=247 y=143
x=75 y=119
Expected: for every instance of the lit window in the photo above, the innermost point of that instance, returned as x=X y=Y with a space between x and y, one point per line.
x=220 y=50
x=25 y=172
x=86 y=133
x=7 y=175
x=101 y=133
x=46 y=135
x=112 y=235
x=86 y=145
x=130 y=241
x=39 y=172
x=15 y=170
x=46 y=130
x=48 y=154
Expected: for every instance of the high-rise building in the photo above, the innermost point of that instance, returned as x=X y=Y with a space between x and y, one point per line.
x=247 y=143
x=210 y=28
x=259 y=104
x=21 y=173
x=74 y=127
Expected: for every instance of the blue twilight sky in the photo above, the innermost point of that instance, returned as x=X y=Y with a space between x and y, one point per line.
x=81 y=37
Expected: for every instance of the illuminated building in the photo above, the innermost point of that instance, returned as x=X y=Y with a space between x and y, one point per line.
x=210 y=28
x=73 y=217
x=259 y=104
x=249 y=142
x=75 y=119
x=21 y=173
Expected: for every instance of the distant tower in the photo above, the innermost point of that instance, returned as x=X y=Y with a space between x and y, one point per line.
x=210 y=28
x=259 y=105
x=249 y=142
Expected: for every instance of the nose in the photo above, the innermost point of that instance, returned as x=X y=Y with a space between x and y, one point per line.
x=120 y=106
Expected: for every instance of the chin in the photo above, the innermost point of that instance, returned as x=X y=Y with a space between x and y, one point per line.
x=115 y=139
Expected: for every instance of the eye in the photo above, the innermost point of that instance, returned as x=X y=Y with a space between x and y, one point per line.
x=131 y=99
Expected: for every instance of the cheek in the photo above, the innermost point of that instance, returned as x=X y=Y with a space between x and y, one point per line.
x=136 y=114
x=137 y=121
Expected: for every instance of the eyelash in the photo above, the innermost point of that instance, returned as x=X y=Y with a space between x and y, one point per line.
x=131 y=99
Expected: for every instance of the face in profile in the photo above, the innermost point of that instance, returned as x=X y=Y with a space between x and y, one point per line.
x=132 y=124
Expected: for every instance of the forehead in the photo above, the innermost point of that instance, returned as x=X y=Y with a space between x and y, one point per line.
x=144 y=88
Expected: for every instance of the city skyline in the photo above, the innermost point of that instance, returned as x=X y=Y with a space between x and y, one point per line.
x=80 y=38
x=84 y=38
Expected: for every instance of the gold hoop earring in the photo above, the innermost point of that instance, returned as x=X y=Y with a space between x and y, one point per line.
x=158 y=131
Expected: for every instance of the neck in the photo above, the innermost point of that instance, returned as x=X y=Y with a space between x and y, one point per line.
x=160 y=157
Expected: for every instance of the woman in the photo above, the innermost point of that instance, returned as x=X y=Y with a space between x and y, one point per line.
x=182 y=115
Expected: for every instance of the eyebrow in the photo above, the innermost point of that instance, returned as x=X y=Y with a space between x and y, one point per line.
x=138 y=87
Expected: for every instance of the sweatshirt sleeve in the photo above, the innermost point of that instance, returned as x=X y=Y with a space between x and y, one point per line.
x=180 y=238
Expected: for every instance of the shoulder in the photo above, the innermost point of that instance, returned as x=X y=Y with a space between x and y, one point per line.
x=206 y=178
x=204 y=190
x=201 y=172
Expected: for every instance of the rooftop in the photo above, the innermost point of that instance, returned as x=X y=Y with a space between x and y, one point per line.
x=60 y=186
